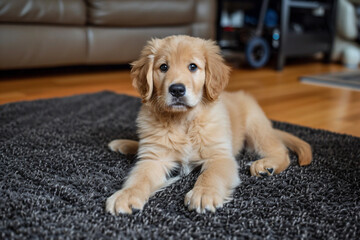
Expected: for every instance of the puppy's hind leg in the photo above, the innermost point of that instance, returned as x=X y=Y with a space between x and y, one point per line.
x=275 y=155
x=261 y=137
x=124 y=146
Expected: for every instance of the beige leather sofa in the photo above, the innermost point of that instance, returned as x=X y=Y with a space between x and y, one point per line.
x=47 y=33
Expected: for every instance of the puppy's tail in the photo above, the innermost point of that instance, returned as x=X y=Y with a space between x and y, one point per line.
x=300 y=147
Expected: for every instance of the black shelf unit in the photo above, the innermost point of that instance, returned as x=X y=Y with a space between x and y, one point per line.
x=237 y=31
x=316 y=36
x=297 y=44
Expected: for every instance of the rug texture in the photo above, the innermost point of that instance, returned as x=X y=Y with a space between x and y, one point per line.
x=56 y=173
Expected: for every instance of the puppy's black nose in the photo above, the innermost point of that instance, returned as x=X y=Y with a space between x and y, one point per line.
x=177 y=90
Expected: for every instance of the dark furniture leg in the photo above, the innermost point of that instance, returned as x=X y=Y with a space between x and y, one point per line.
x=332 y=30
x=284 y=19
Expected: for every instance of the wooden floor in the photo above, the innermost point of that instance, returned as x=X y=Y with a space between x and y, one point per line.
x=280 y=94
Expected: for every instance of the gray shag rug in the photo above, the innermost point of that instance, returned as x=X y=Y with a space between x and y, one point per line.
x=56 y=173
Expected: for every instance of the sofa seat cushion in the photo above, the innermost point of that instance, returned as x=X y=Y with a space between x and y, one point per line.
x=27 y=45
x=129 y=13
x=43 y=11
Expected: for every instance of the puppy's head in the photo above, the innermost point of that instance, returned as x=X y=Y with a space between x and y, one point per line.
x=177 y=73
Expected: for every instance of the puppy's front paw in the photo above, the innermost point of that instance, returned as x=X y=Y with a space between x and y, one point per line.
x=203 y=198
x=125 y=201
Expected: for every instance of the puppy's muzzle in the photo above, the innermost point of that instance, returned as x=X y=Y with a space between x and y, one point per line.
x=177 y=90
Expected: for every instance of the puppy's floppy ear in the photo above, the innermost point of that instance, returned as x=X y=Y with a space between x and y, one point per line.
x=216 y=71
x=142 y=70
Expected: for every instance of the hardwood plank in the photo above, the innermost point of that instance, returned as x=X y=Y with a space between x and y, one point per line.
x=281 y=95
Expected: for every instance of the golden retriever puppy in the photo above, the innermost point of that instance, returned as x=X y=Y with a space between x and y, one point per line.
x=187 y=120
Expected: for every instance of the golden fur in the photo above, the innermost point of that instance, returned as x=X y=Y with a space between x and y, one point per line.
x=208 y=128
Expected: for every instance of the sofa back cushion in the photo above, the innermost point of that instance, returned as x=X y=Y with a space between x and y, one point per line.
x=130 y=13
x=43 y=11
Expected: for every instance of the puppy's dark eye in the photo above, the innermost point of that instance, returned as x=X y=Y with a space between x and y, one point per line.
x=193 y=67
x=164 y=68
